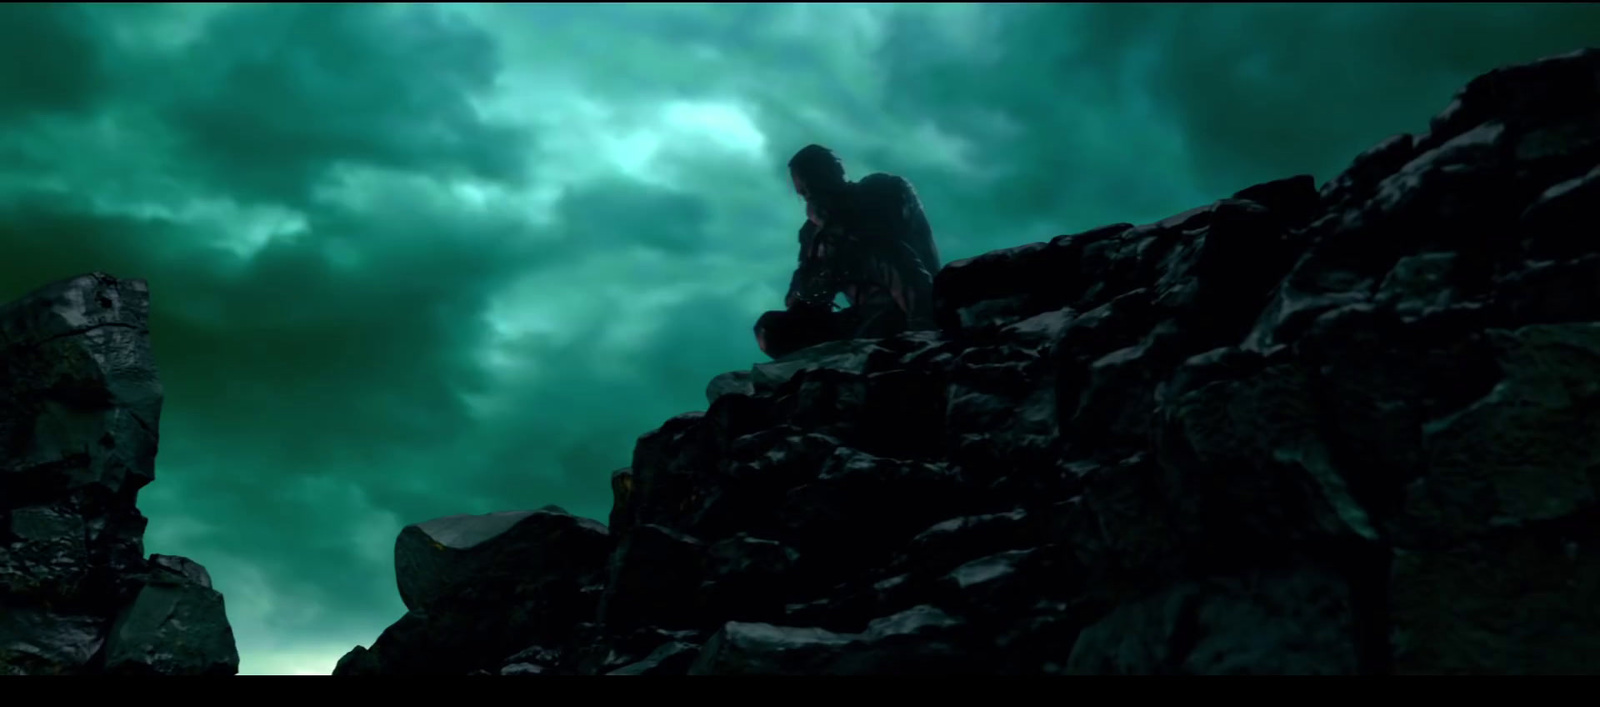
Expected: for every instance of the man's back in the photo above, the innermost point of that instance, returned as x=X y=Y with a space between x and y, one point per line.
x=897 y=201
x=887 y=215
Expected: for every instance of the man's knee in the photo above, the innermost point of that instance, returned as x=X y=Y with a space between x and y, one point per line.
x=780 y=333
x=767 y=327
x=771 y=320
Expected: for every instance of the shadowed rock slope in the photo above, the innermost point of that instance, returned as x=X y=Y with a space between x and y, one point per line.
x=1312 y=431
x=79 y=408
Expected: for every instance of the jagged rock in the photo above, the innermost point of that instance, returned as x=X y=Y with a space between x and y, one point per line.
x=1285 y=623
x=763 y=649
x=522 y=669
x=850 y=608
x=1356 y=183
x=670 y=659
x=1515 y=602
x=922 y=640
x=1008 y=286
x=182 y=567
x=950 y=543
x=1040 y=639
x=598 y=650
x=748 y=579
x=1001 y=419
x=1561 y=223
x=758 y=473
x=1299 y=430
x=83 y=398
x=435 y=558
x=39 y=641
x=843 y=356
x=537 y=660
x=175 y=626
x=861 y=507
x=1420 y=284
x=1479 y=476
x=655 y=579
x=669 y=464
x=731 y=383
x=996 y=582
x=474 y=631
x=49 y=553
x=905 y=642
x=544 y=568
x=1551 y=292
x=1255 y=466
x=80 y=406
x=359 y=661
x=1124 y=525
x=1537 y=93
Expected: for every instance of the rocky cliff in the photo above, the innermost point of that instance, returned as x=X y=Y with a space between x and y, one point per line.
x=1346 y=429
x=79 y=407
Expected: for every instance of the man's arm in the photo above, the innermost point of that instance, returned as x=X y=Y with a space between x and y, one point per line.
x=812 y=283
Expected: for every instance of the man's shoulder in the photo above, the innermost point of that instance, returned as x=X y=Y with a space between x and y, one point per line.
x=885 y=189
x=883 y=180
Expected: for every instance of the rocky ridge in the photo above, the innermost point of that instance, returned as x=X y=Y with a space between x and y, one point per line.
x=80 y=403
x=1335 y=430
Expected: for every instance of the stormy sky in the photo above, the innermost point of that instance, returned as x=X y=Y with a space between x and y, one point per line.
x=412 y=261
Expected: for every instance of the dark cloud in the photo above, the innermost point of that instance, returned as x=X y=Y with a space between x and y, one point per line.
x=321 y=381
x=51 y=59
x=305 y=362
x=1298 y=95
x=273 y=96
x=1246 y=92
x=623 y=213
x=357 y=332
x=347 y=342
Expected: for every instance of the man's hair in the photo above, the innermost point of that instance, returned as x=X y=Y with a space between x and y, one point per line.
x=817 y=166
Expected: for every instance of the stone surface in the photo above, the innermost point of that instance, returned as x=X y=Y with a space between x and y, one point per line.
x=175 y=626
x=670 y=659
x=1302 y=430
x=80 y=406
x=435 y=558
x=481 y=588
x=732 y=383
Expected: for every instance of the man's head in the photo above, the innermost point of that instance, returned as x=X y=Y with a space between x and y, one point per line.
x=816 y=172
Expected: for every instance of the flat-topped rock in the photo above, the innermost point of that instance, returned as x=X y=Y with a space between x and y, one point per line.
x=435 y=557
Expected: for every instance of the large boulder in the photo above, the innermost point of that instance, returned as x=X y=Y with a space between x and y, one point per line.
x=436 y=558
x=176 y=625
x=82 y=400
x=482 y=588
x=80 y=406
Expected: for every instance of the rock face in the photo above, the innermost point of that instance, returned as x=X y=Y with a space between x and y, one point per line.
x=79 y=408
x=480 y=589
x=1298 y=431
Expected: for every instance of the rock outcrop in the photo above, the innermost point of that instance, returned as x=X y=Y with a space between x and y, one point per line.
x=79 y=407
x=1309 y=431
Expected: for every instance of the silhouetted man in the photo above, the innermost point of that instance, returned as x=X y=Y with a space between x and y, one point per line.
x=867 y=240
